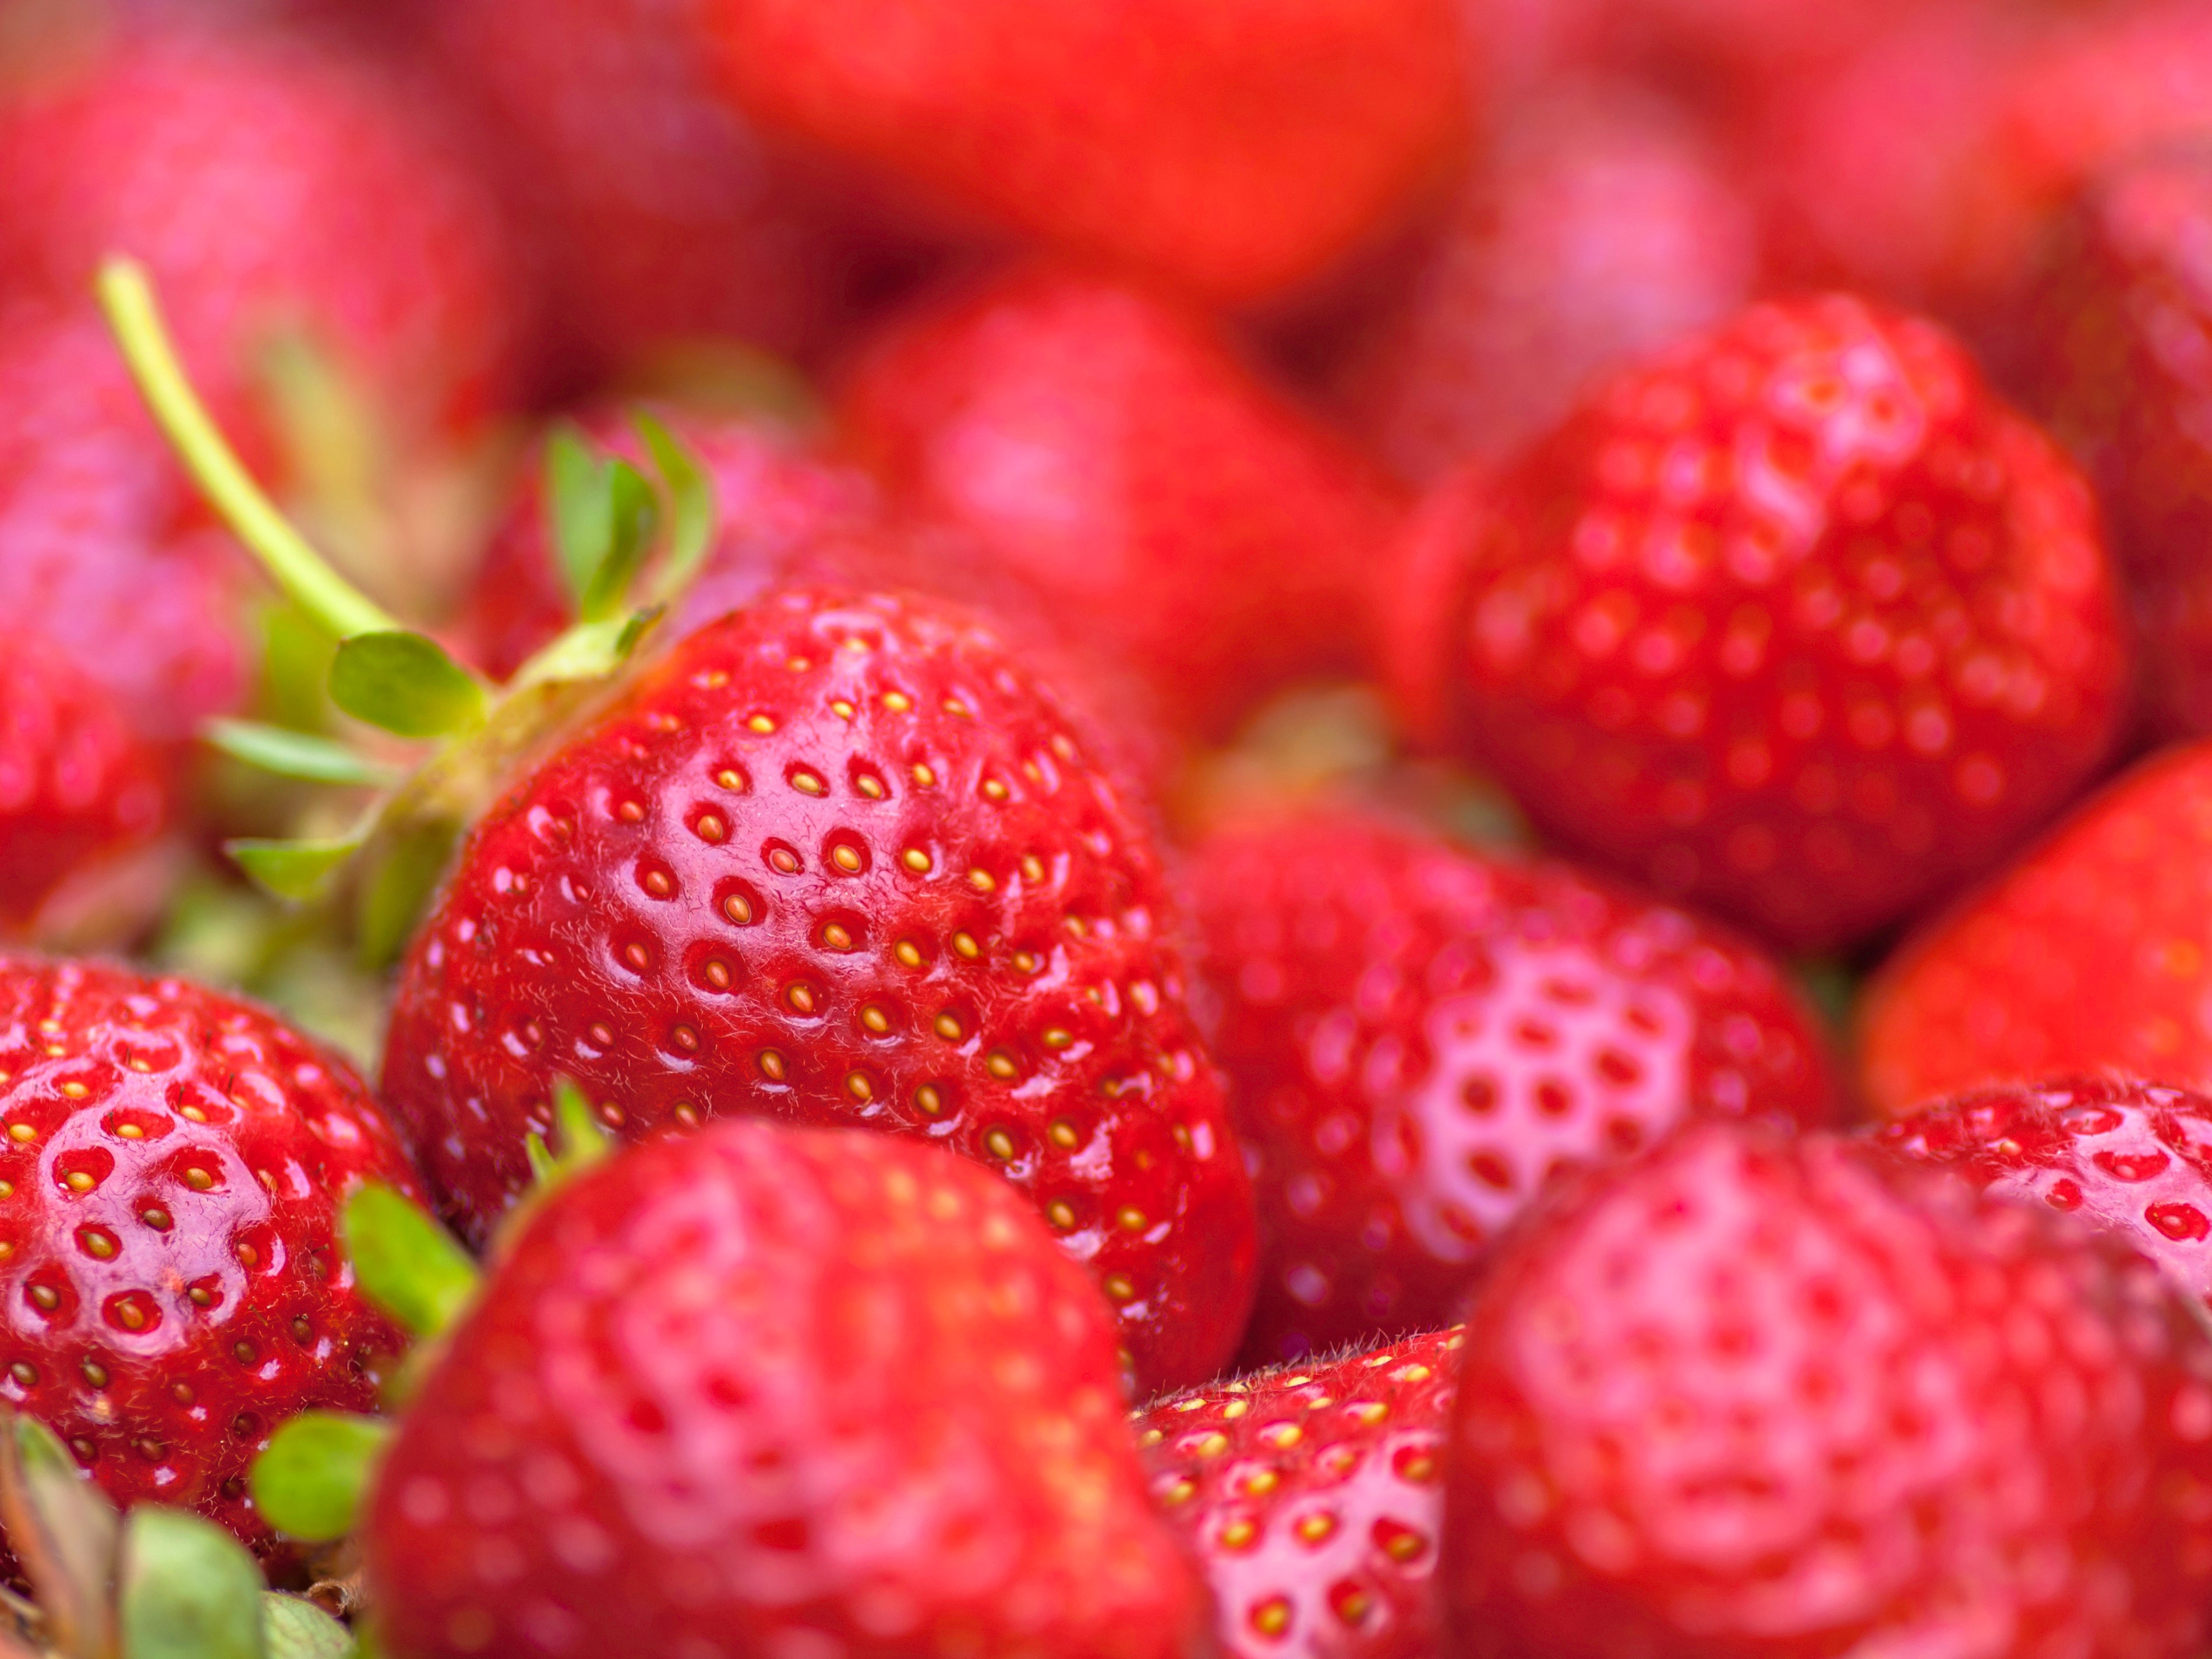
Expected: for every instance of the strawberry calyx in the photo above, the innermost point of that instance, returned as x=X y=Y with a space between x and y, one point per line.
x=628 y=548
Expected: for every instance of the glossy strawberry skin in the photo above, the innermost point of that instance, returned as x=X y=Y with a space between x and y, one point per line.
x=173 y=1286
x=2132 y=1157
x=2088 y=953
x=816 y=1390
x=2112 y=333
x=1420 y=1036
x=1113 y=455
x=1750 y=1396
x=842 y=862
x=1314 y=1495
x=1231 y=149
x=1798 y=620
x=80 y=790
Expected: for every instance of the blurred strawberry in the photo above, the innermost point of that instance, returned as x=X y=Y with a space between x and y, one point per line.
x=1420 y=1037
x=1113 y=455
x=1232 y=147
x=2091 y=952
x=1602 y=228
x=1798 y=619
x=2117 y=336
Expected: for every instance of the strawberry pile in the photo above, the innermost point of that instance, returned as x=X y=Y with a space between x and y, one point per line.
x=1127 y=830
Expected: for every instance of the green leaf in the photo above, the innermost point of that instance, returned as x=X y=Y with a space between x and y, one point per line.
x=398 y=890
x=577 y=499
x=634 y=516
x=190 y=1589
x=405 y=683
x=588 y=651
x=64 y=1532
x=407 y=1264
x=692 y=504
x=310 y=1481
x=296 y=754
x=297 y=869
x=293 y=1627
x=583 y=1138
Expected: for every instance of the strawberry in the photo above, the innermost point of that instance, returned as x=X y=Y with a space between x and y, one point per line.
x=1234 y=150
x=1602 y=228
x=1798 y=620
x=1749 y=1395
x=2089 y=953
x=1109 y=451
x=81 y=795
x=1419 y=1036
x=2133 y=1157
x=2112 y=331
x=781 y=1391
x=1314 y=1495
x=784 y=514
x=279 y=188
x=667 y=220
x=173 y=1163
x=841 y=861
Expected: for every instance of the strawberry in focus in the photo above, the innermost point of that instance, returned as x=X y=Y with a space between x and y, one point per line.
x=1798 y=620
x=1112 y=454
x=1314 y=1495
x=806 y=1390
x=2089 y=953
x=1420 y=1036
x=2132 y=1157
x=1752 y=1395
x=173 y=1169
x=842 y=861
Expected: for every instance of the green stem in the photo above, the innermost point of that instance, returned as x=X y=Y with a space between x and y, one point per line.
x=127 y=297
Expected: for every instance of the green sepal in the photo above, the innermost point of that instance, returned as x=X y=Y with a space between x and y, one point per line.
x=634 y=517
x=291 y=754
x=404 y=1262
x=398 y=888
x=583 y=1138
x=63 y=1531
x=588 y=651
x=692 y=507
x=296 y=870
x=293 y=1627
x=189 y=1591
x=405 y=683
x=576 y=502
x=310 y=1481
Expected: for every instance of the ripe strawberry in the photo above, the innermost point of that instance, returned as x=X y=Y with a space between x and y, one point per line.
x=2090 y=953
x=1798 y=620
x=807 y=1392
x=1419 y=1036
x=667 y=220
x=173 y=1167
x=784 y=516
x=81 y=793
x=1111 y=453
x=1750 y=1396
x=1314 y=1496
x=2113 y=332
x=2136 y=1158
x=841 y=862
x=1234 y=150
x=1601 y=229
x=275 y=187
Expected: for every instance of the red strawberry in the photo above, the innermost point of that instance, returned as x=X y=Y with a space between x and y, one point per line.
x=81 y=795
x=667 y=220
x=2134 y=1156
x=1419 y=1036
x=1798 y=620
x=2115 y=333
x=172 y=1166
x=784 y=1391
x=272 y=186
x=1111 y=451
x=1314 y=1496
x=1752 y=1396
x=2089 y=953
x=1234 y=148
x=783 y=515
x=1601 y=229
x=842 y=862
